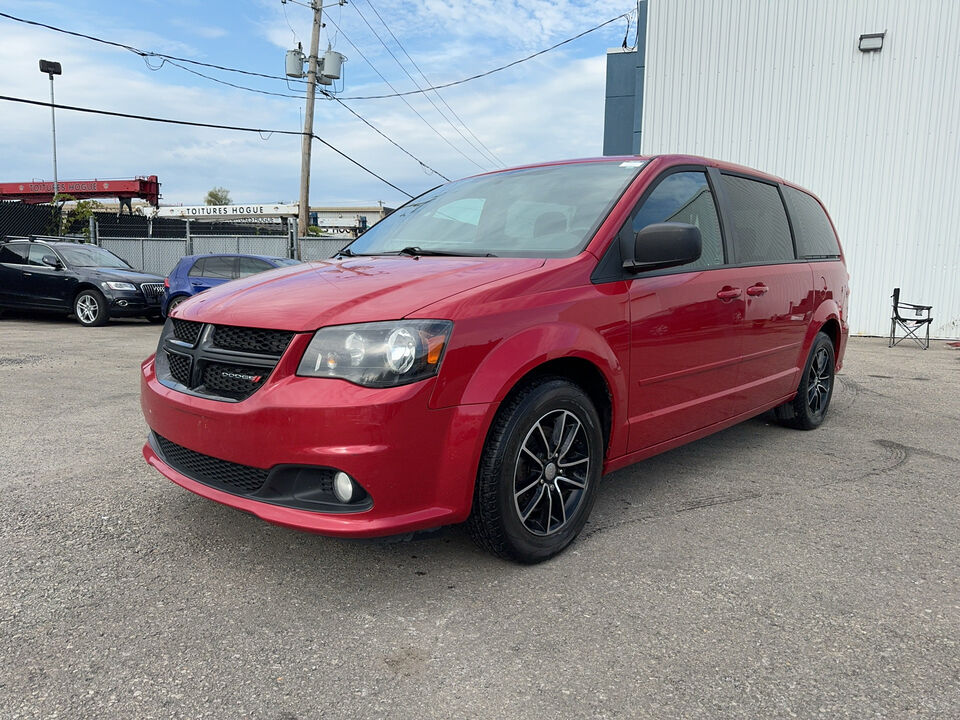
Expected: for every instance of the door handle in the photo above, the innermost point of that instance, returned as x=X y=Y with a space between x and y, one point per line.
x=728 y=293
x=26 y=274
x=758 y=289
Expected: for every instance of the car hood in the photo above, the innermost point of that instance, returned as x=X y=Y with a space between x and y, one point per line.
x=359 y=289
x=130 y=276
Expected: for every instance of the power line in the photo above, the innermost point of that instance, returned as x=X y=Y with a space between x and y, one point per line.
x=385 y=136
x=171 y=121
x=356 y=7
x=147 y=53
x=142 y=53
x=400 y=95
x=328 y=95
x=494 y=70
x=427 y=80
x=176 y=62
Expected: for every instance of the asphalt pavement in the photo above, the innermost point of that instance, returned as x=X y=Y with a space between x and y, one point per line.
x=762 y=572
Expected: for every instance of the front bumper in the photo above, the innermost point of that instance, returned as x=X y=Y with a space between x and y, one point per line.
x=129 y=303
x=418 y=464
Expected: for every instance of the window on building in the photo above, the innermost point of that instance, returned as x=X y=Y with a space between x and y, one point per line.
x=759 y=221
x=685 y=197
x=815 y=236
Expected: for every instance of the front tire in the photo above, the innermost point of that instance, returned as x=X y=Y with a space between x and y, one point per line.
x=174 y=302
x=90 y=307
x=539 y=472
x=809 y=408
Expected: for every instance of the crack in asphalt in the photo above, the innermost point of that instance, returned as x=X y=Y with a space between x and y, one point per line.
x=898 y=455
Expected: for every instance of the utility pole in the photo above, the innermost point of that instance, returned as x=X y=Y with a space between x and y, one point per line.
x=312 y=69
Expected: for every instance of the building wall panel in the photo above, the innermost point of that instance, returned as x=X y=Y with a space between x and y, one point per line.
x=782 y=87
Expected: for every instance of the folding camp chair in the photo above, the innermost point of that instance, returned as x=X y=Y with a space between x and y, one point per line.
x=910 y=325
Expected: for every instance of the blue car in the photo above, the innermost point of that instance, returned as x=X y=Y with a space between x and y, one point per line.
x=196 y=273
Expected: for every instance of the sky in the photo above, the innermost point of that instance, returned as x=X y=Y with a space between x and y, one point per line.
x=548 y=108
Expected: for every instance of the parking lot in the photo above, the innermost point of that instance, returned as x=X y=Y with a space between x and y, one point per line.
x=761 y=572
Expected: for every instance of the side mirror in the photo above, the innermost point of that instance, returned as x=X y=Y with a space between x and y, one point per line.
x=51 y=260
x=664 y=245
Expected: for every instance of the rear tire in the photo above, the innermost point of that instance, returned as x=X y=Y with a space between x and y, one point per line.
x=809 y=408
x=90 y=307
x=539 y=472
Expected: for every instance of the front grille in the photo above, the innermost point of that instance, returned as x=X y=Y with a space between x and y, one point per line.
x=221 y=362
x=180 y=367
x=152 y=292
x=188 y=332
x=222 y=474
x=235 y=381
x=252 y=340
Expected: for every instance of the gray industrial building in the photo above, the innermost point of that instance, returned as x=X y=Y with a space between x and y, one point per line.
x=857 y=101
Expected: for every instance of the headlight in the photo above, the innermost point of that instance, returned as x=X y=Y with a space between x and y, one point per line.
x=380 y=354
x=119 y=286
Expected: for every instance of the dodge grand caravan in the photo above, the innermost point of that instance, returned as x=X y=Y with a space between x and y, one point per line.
x=492 y=348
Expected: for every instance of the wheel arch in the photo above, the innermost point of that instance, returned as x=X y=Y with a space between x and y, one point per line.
x=580 y=372
x=81 y=286
x=571 y=351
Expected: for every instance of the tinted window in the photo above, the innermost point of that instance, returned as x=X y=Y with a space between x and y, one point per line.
x=15 y=254
x=815 y=237
x=37 y=253
x=685 y=197
x=197 y=269
x=220 y=267
x=252 y=266
x=759 y=221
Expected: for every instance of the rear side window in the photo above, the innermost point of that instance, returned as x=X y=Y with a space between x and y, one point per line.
x=685 y=197
x=197 y=269
x=220 y=267
x=815 y=236
x=252 y=266
x=760 y=225
x=13 y=254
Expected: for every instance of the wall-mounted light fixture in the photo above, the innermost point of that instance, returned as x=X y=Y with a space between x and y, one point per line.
x=871 y=42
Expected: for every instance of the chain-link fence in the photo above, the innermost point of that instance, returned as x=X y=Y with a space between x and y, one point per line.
x=18 y=219
x=320 y=249
x=155 y=245
x=160 y=255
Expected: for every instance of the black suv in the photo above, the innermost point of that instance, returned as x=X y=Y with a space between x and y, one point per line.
x=86 y=280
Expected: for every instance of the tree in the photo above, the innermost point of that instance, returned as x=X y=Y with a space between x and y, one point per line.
x=218 y=196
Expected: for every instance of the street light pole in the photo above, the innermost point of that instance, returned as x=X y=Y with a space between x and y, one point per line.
x=53 y=125
x=53 y=68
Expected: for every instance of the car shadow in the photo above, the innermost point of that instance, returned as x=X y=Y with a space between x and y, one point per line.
x=58 y=318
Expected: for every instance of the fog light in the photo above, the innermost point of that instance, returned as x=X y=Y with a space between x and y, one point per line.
x=343 y=487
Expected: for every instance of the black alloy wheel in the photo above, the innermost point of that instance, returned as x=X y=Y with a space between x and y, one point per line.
x=809 y=408
x=539 y=472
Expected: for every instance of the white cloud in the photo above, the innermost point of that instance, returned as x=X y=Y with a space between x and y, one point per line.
x=545 y=109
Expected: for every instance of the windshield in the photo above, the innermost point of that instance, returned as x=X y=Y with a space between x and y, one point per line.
x=90 y=256
x=537 y=212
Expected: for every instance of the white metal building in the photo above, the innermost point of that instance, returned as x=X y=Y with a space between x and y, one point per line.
x=785 y=87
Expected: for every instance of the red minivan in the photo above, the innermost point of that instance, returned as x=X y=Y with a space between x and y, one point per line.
x=492 y=348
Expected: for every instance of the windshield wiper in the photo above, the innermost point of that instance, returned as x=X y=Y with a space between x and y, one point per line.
x=347 y=252
x=415 y=251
